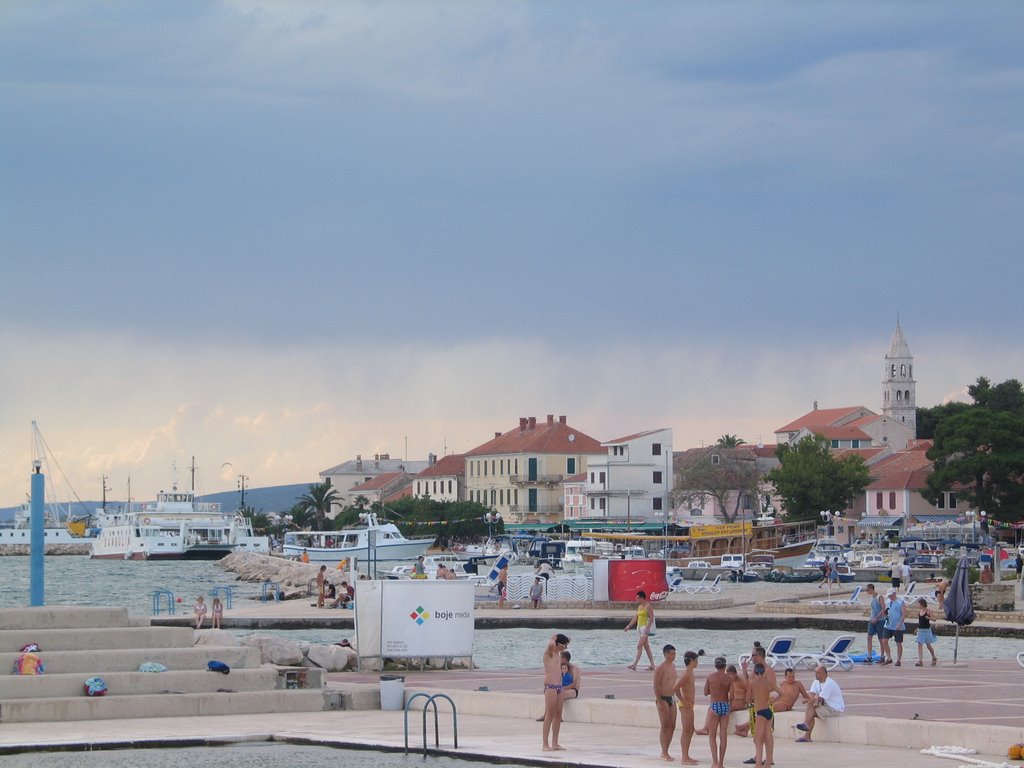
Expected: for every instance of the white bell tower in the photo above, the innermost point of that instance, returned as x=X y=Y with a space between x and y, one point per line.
x=899 y=390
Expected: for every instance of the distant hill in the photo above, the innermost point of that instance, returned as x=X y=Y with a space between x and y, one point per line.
x=274 y=498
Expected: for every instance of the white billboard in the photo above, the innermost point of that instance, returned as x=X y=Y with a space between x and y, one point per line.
x=414 y=618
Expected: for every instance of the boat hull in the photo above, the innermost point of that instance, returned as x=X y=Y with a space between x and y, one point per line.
x=408 y=549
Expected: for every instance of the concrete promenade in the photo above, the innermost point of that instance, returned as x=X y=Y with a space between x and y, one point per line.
x=892 y=713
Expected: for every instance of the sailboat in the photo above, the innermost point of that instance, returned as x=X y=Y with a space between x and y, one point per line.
x=60 y=527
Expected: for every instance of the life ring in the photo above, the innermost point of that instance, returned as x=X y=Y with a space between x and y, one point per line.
x=145 y=520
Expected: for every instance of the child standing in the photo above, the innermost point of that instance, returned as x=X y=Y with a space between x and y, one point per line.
x=925 y=635
x=537 y=592
x=199 y=609
x=218 y=612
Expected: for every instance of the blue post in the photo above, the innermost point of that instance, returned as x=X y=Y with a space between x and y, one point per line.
x=38 y=539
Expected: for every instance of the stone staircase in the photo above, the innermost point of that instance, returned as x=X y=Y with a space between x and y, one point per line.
x=77 y=643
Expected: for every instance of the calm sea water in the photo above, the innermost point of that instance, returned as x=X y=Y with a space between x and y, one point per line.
x=72 y=580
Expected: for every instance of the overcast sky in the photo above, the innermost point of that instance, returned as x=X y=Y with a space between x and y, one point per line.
x=276 y=235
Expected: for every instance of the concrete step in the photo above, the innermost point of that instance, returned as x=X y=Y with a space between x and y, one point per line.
x=63 y=617
x=160 y=705
x=93 y=639
x=99 y=662
x=71 y=684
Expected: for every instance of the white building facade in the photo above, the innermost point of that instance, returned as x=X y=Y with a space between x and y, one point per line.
x=633 y=479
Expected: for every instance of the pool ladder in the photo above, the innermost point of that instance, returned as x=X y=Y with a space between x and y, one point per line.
x=431 y=700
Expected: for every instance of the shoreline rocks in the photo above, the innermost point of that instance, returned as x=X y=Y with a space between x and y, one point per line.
x=292 y=576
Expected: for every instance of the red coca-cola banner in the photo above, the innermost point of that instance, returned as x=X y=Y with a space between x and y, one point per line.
x=627 y=577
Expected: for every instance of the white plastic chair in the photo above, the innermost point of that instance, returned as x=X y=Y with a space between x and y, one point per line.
x=836 y=655
x=778 y=651
x=852 y=600
x=714 y=587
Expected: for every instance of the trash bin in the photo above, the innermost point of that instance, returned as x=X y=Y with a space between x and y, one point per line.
x=392 y=692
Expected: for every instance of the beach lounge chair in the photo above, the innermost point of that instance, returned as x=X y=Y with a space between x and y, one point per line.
x=853 y=600
x=910 y=590
x=702 y=586
x=778 y=651
x=676 y=583
x=836 y=655
x=1020 y=658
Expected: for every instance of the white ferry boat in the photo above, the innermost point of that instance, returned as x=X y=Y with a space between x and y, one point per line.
x=20 y=530
x=331 y=546
x=175 y=527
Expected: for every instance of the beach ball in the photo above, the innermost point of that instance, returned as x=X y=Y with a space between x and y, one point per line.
x=179 y=599
x=1014 y=752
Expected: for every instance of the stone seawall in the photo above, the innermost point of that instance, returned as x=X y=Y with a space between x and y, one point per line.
x=51 y=549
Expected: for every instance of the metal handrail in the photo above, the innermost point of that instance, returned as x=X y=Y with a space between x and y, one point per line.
x=159 y=593
x=432 y=700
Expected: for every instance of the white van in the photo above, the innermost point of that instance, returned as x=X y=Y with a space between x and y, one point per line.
x=735 y=562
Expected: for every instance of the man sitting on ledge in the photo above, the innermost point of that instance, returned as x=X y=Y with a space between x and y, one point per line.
x=826 y=701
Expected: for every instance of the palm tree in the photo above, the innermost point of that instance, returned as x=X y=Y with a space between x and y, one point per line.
x=730 y=441
x=319 y=500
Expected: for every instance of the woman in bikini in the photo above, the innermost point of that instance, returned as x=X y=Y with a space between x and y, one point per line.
x=643 y=620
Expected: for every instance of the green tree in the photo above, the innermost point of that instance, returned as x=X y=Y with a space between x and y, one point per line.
x=319 y=499
x=980 y=454
x=729 y=476
x=810 y=479
x=730 y=441
x=928 y=419
x=1007 y=397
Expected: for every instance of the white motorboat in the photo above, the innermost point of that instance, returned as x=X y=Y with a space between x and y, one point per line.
x=576 y=549
x=175 y=527
x=384 y=540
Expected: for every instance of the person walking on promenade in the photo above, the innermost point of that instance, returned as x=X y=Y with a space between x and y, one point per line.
x=321 y=586
x=502 y=585
x=895 y=624
x=664 y=686
x=826 y=701
x=876 y=621
x=905 y=574
x=833 y=574
x=759 y=697
x=643 y=619
x=895 y=572
x=925 y=635
x=199 y=611
x=553 y=691
x=718 y=687
x=790 y=689
x=687 y=700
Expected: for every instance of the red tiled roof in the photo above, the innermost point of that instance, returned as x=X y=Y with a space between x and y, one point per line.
x=627 y=438
x=764 y=451
x=452 y=465
x=865 y=453
x=823 y=417
x=840 y=433
x=551 y=436
x=904 y=469
x=378 y=482
x=402 y=493
x=576 y=478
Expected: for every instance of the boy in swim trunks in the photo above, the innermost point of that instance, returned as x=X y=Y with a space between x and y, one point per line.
x=664 y=686
x=552 y=691
x=759 y=691
x=685 y=692
x=718 y=687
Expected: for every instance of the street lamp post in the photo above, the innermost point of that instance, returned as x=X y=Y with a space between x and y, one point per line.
x=242 y=480
x=492 y=518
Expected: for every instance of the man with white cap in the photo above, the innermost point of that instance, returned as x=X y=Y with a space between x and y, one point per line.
x=895 y=624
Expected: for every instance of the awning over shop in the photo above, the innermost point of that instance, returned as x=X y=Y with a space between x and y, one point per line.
x=952 y=518
x=879 y=521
